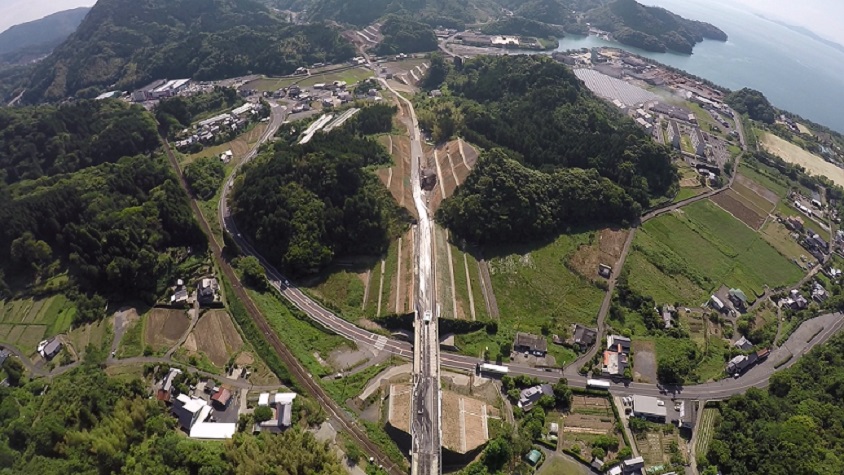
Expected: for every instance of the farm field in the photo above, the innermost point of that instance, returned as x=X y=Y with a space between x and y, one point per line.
x=215 y=337
x=741 y=209
x=699 y=248
x=604 y=247
x=706 y=430
x=24 y=323
x=589 y=419
x=780 y=237
x=164 y=327
x=655 y=445
x=757 y=195
x=791 y=153
x=99 y=334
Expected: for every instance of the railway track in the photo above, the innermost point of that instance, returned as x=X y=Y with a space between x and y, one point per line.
x=300 y=374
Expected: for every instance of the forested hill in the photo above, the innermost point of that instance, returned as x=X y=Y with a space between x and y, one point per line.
x=126 y=43
x=795 y=427
x=47 y=140
x=447 y=13
x=539 y=111
x=306 y=205
x=651 y=28
x=32 y=39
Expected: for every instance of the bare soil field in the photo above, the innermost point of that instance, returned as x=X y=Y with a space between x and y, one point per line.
x=605 y=248
x=164 y=327
x=397 y=177
x=464 y=422
x=757 y=188
x=399 y=407
x=760 y=201
x=732 y=203
x=214 y=336
x=590 y=417
x=644 y=361
x=791 y=153
x=451 y=170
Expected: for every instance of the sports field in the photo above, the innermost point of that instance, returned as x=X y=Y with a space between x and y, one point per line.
x=791 y=153
x=685 y=255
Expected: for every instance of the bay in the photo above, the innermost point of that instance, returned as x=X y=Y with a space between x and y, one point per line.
x=795 y=71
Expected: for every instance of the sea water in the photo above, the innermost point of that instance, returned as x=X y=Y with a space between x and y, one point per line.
x=795 y=71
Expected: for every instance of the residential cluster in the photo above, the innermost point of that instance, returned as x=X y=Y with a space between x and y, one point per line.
x=199 y=410
x=219 y=128
x=209 y=410
x=207 y=293
x=617 y=356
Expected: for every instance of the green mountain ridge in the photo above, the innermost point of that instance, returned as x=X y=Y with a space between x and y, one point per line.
x=39 y=37
x=651 y=28
x=124 y=44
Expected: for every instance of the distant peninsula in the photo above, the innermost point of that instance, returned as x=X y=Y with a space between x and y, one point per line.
x=651 y=28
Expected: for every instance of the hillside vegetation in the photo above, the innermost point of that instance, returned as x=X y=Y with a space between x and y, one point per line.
x=305 y=205
x=753 y=103
x=551 y=123
x=651 y=28
x=794 y=427
x=33 y=39
x=125 y=43
x=88 y=423
x=46 y=140
x=447 y=13
x=524 y=27
x=404 y=35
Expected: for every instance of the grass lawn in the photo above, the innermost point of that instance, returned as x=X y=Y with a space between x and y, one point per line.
x=686 y=193
x=343 y=289
x=709 y=248
x=533 y=286
x=351 y=76
x=304 y=339
x=390 y=267
x=132 y=342
x=350 y=386
x=557 y=465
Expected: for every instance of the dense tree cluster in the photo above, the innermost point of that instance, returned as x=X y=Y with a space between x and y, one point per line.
x=651 y=28
x=792 y=428
x=405 y=35
x=446 y=13
x=504 y=201
x=111 y=224
x=539 y=110
x=515 y=25
x=88 y=423
x=124 y=44
x=38 y=141
x=305 y=205
x=753 y=103
x=179 y=112
x=374 y=119
x=204 y=176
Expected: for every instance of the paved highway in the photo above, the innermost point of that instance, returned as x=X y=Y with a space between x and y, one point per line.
x=425 y=428
x=426 y=424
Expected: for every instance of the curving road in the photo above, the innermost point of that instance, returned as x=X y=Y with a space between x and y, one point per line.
x=810 y=334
